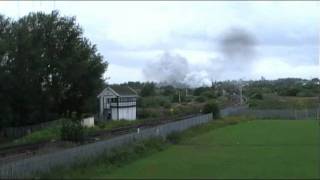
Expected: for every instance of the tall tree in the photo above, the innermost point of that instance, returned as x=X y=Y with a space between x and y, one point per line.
x=54 y=69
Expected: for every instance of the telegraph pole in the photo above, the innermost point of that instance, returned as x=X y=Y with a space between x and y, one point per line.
x=240 y=89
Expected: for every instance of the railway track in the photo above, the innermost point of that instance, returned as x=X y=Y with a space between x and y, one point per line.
x=23 y=148
x=32 y=148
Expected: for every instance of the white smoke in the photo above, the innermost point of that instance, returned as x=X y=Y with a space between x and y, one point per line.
x=170 y=69
x=237 y=51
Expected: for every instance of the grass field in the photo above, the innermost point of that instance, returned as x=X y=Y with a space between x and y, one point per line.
x=253 y=149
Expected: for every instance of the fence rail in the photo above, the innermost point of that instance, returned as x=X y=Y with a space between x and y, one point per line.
x=44 y=163
x=273 y=113
x=16 y=132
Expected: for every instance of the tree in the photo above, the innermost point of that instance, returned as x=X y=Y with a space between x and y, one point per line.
x=52 y=69
x=5 y=74
x=212 y=107
x=148 y=90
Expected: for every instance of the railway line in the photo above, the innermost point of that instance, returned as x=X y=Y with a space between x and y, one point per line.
x=30 y=149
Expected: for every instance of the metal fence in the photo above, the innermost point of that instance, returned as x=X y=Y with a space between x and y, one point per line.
x=16 y=132
x=273 y=113
x=44 y=163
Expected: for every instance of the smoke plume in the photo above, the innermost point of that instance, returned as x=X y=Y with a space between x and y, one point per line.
x=236 y=49
x=237 y=44
x=169 y=69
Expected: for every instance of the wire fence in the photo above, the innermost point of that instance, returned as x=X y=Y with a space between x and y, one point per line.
x=294 y=114
x=44 y=163
x=25 y=168
x=16 y=132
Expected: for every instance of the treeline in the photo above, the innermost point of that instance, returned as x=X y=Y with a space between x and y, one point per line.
x=48 y=69
x=284 y=87
x=155 y=94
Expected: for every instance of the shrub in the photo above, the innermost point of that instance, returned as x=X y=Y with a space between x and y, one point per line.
x=153 y=102
x=212 y=107
x=200 y=99
x=175 y=98
x=148 y=90
x=208 y=94
x=174 y=137
x=148 y=113
x=257 y=96
x=72 y=130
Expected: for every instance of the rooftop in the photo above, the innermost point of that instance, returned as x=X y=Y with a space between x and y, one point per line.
x=123 y=90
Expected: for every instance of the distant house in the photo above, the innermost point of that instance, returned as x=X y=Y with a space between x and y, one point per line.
x=117 y=102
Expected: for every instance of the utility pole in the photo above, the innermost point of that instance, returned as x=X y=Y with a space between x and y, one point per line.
x=240 y=89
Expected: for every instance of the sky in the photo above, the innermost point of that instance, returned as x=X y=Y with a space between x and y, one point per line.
x=195 y=42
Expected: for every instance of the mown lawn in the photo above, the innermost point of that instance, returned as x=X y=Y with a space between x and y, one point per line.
x=255 y=149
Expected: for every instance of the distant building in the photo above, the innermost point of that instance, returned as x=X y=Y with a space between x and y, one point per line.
x=117 y=102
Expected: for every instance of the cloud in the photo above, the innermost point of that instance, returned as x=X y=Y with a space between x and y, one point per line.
x=282 y=69
x=132 y=34
x=118 y=73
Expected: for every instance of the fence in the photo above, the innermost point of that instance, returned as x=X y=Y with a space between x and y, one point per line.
x=16 y=132
x=44 y=163
x=273 y=113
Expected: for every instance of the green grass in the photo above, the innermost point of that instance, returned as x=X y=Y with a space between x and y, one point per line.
x=122 y=156
x=51 y=133
x=258 y=149
x=254 y=149
x=45 y=134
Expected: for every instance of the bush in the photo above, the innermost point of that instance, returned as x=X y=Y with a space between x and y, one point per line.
x=175 y=98
x=148 y=113
x=174 y=137
x=72 y=130
x=257 y=96
x=148 y=90
x=212 y=107
x=208 y=94
x=200 y=99
x=153 y=102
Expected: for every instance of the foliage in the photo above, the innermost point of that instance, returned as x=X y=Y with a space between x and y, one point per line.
x=257 y=96
x=112 y=160
x=168 y=90
x=208 y=94
x=72 y=130
x=150 y=112
x=200 y=99
x=47 y=69
x=148 y=90
x=46 y=134
x=154 y=102
x=175 y=97
x=198 y=91
x=174 y=137
x=212 y=107
x=271 y=101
